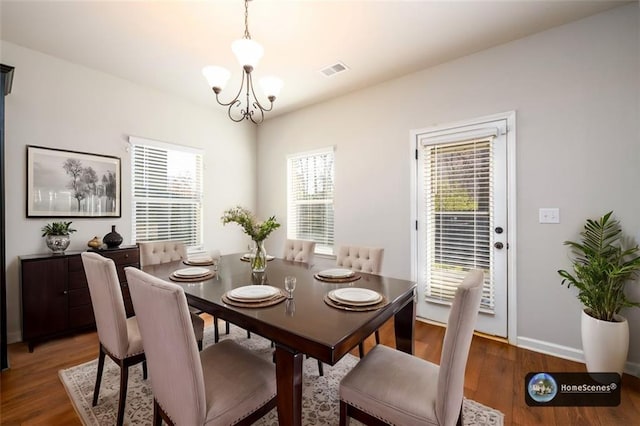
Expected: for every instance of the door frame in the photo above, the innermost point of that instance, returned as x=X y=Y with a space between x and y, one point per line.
x=510 y=117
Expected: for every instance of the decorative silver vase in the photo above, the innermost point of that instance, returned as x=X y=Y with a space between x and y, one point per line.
x=58 y=243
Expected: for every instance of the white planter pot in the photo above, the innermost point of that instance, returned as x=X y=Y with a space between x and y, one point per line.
x=605 y=344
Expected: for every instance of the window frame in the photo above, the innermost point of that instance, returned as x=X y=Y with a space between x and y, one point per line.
x=197 y=201
x=322 y=247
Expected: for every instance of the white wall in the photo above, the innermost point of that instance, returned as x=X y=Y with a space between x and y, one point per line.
x=576 y=93
x=58 y=104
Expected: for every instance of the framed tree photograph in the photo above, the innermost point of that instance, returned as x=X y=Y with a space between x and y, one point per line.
x=72 y=184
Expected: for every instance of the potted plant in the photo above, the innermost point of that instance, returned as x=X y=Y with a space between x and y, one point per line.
x=602 y=267
x=57 y=236
x=257 y=231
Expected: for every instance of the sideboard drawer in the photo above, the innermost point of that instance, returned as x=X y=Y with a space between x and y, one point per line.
x=129 y=256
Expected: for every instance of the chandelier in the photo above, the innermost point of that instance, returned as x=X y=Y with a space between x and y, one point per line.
x=248 y=53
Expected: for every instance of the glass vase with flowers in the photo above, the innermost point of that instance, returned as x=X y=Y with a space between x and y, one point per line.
x=256 y=230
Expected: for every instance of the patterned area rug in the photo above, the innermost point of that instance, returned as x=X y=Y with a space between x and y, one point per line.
x=319 y=399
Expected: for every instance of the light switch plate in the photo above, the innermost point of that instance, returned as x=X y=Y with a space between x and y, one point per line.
x=549 y=215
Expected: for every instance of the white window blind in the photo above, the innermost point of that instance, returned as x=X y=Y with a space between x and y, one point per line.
x=167 y=192
x=459 y=197
x=310 y=198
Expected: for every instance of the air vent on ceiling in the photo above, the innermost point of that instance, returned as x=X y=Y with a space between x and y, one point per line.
x=334 y=69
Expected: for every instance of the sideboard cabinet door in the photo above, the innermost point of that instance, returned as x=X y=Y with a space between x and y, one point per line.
x=45 y=306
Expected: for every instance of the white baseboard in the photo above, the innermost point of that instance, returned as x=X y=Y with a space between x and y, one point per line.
x=566 y=352
x=14 y=337
x=547 y=348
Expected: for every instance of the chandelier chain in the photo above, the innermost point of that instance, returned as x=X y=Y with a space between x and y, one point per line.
x=246 y=20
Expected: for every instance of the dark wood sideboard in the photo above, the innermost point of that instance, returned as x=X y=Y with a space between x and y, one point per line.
x=55 y=294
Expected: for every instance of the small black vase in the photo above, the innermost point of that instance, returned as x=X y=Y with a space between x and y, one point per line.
x=112 y=239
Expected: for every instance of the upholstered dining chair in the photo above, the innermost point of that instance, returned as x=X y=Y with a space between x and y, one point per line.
x=118 y=335
x=224 y=384
x=158 y=252
x=361 y=259
x=299 y=251
x=392 y=387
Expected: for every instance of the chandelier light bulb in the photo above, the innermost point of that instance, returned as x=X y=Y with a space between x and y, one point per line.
x=271 y=86
x=247 y=51
x=217 y=77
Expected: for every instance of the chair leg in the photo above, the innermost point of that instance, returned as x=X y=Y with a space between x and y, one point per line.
x=199 y=345
x=157 y=418
x=144 y=370
x=248 y=334
x=361 y=349
x=320 y=368
x=344 y=418
x=124 y=379
x=226 y=327
x=377 y=334
x=96 y=390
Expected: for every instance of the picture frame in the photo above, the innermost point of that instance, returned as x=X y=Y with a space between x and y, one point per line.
x=72 y=184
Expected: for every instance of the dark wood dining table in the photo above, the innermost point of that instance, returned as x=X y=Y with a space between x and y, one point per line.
x=303 y=325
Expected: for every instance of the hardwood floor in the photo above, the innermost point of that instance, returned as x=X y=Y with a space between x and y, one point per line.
x=32 y=393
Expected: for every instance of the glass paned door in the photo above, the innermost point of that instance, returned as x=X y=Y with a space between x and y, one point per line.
x=462 y=215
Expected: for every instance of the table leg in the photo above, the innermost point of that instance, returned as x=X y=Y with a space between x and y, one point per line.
x=404 y=324
x=289 y=382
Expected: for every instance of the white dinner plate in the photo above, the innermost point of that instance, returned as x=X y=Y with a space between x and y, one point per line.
x=336 y=273
x=253 y=292
x=354 y=295
x=191 y=272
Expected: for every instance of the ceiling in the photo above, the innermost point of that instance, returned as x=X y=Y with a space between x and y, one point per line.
x=166 y=44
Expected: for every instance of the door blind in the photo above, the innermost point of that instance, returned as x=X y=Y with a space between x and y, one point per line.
x=310 y=198
x=167 y=193
x=459 y=195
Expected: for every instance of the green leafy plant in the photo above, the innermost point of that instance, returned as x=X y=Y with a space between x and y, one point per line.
x=57 y=228
x=257 y=231
x=602 y=268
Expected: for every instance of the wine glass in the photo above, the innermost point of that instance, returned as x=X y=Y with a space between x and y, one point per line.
x=290 y=285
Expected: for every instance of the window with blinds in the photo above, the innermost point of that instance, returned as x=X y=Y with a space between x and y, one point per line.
x=458 y=202
x=167 y=192
x=310 y=198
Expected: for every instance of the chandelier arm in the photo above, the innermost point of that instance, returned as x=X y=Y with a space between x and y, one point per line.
x=237 y=103
x=249 y=112
x=257 y=108
x=235 y=99
x=257 y=103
